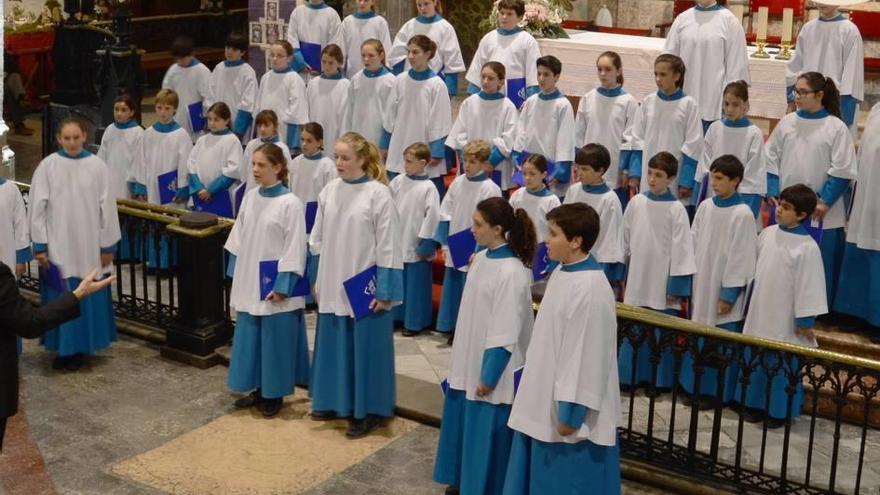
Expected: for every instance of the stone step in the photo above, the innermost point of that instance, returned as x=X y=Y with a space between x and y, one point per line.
x=851 y=340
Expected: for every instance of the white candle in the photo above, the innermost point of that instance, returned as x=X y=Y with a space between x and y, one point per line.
x=762 y=23
x=787 y=24
x=737 y=10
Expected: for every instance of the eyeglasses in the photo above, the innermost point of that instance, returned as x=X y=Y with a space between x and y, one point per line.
x=804 y=92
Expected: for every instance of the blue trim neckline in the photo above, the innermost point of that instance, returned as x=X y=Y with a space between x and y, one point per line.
x=508 y=32
x=271 y=139
x=494 y=96
x=588 y=263
x=595 y=188
x=282 y=71
x=714 y=6
x=82 y=154
x=316 y=6
x=543 y=192
x=417 y=177
x=364 y=15
x=422 y=75
x=165 y=128
x=679 y=94
x=317 y=156
x=359 y=180
x=743 y=122
x=667 y=196
x=838 y=17
x=501 y=252
x=273 y=191
x=237 y=63
x=477 y=178
x=221 y=133
x=550 y=96
x=733 y=200
x=429 y=20
x=799 y=230
x=128 y=124
x=192 y=63
x=611 y=93
x=332 y=77
x=376 y=73
x=818 y=114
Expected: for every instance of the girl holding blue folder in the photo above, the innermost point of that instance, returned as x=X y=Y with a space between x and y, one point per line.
x=267 y=248
x=214 y=164
x=356 y=231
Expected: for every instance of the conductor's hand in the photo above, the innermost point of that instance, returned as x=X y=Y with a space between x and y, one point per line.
x=89 y=285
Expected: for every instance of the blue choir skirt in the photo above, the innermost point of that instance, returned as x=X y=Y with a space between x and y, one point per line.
x=614 y=272
x=160 y=255
x=709 y=377
x=759 y=383
x=94 y=329
x=417 y=307
x=269 y=353
x=538 y=468
x=832 y=247
x=627 y=360
x=858 y=289
x=129 y=247
x=353 y=367
x=450 y=299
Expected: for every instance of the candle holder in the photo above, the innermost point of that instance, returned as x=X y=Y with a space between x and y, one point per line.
x=784 y=52
x=760 y=53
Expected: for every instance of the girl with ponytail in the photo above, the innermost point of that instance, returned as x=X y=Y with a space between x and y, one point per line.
x=813 y=146
x=494 y=327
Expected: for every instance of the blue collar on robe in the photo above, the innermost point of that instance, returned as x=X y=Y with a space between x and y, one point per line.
x=417 y=177
x=334 y=77
x=818 y=114
x=679 y=94
x=551 y=95
x=376 y=73
x=429 y=20
x=317 y=156
x=82 y=154
x=595 y=188
x=743 y=122
x=238 y=62
x=799 y=230
x=714 y=6
x=422 y=75
x=273 y=191
x=667 y=196
x=165 y=128
x=364 y=15
x=359 y=180
x=128 y=124
x=222 y=133
x=838 y=17
x=192 y=63
x=508 y=32
x=540 y=192
x=501 y=252
x=477 y=178
x=316 y=6
x=282 y=71
x=733 y=200
x=271 y=139
x=494 y=96
x=588 y=263
x=611 y=93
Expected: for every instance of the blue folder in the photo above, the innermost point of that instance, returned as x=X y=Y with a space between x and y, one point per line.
x=517 y=178
x=196 y=116
x=551 y=169
x=461 y=247
x=269 y=275
x=516 y=91
x=361 y=291
x=496 y=177
x=311 y=53
x=311 y=213
x=540 y=262
x=444 y=386
x=53 y=279
x=220 y=204
x=239 y=196
x=167 y=186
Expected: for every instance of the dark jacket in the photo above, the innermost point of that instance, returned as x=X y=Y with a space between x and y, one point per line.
x=19 y=317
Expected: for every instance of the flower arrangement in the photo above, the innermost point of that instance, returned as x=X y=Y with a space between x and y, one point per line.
x=543 y=18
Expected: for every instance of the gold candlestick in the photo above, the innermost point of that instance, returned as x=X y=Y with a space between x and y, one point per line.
x=760 y=53
x=784 y=52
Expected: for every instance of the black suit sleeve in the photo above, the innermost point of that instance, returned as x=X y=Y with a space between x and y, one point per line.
x=22 y=318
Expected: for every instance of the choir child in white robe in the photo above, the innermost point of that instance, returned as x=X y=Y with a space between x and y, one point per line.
x=605 y=116
x=489 y=116
x=831 y=45
x=355 y=229
x=858 y=290
x=312 y=26
x=448 y=63
x=592 y=162
x=725 y=250
x=367 y=94
x=15 y=240
x=659 y=250
x=191 y=80
x=494 y=327
x=788 y=294
x=266 y=123
x=270 y=354
x=456 y=215
x=735 y=135
x=516 y=49
x=546 y=126
x=234 y=82
x=357 y=28
x=669 y=121
x=328 y=94
x=72 y=188
x=813 y=146
x=536 y=198
x=418 y=110
x=418 y=208
x=215 y=161
x=120 y=145
x=712 y=43
x=284 y=92
x=567 y=409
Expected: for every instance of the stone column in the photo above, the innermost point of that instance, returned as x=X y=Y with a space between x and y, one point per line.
x=7 y=166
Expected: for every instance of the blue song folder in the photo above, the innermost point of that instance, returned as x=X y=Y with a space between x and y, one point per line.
x=196 y=116
x=461 y=247
x=269 y=275
x=53 y=279
x=539 y=263
x=516 y=91
x=311 y=53
x=167 y=186
x=361 y=291
x=311 y=213
x=220 y=204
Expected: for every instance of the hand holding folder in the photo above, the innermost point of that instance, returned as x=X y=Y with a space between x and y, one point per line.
x=361 y=291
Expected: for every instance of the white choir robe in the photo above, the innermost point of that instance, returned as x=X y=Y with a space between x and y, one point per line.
x=518 y=52
x=308 y=175
x=546 y=126
x=119 y=148
x=328 y=98
x=164 y=149
x=448 y=59
x=418 y=110
x=493 y=119
x=311 y=24
x=608 y=248
x=537 y=205
x=246 y=171
x=236 y=85
x=712 y=44
x=460 y=203
x=15 y=240
x=367 y=95
x=215 y=155
x=354 y=30
x=668 y=123
x=284 y=93
x=193 y=85
x=418 y=210
x=606 y=117
x=744 y=140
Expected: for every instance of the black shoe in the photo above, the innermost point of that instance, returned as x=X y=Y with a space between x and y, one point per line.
x=774 y=423
x=359 y=428
x=750 y=415
x=323 y=415
x=271 y=407
x=706 y=403
x=655 y=392
x=686 y=400
x=410 y=333
x=451 y=490
x=450 y=339
x=252 y=399
x=59 y=362
x=75 y=362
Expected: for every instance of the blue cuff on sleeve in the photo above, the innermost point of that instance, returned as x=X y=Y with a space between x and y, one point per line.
x=687 y=171
x=385 y=140
x=230 y=265
x=848 y=107
x=833 y=188
x=426 y=247
x=805 y=322
x=495 y=157
x=299 y=62
x=242 y=122
x=772 y=185
x=753 y=201
x=389 y=284
x=442 y=234
x=195 y=184
x=451 y=81
x=789 y=94
x=562 y=172
x=292 y=137
x=729 y=294
x=635 y=163
x=40 y=247
x=679 y=286
x=494 y=362
x=532 y=90
x=109 y=249
x=438 y=148
x=219 y=184
x=571 y=413
x=138 y=189
x=285 y=282
x=23 y=255
x=623 y=161
x=472 y=88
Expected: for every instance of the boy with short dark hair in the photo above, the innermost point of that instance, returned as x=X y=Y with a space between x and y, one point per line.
x=567 y=407
x=191 y=80
x=234 y=82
